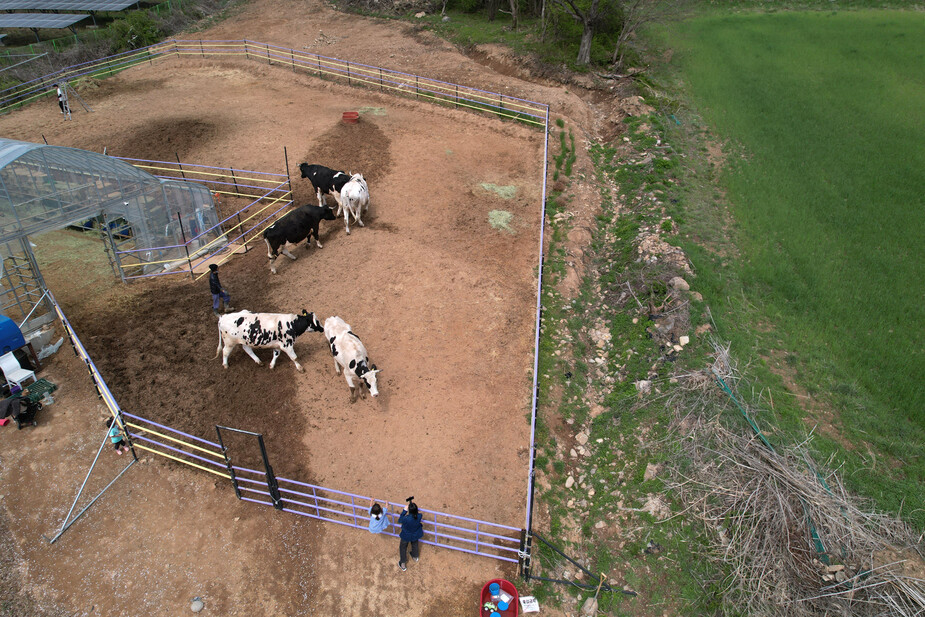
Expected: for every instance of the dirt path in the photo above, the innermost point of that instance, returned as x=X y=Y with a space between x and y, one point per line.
x=442 y=300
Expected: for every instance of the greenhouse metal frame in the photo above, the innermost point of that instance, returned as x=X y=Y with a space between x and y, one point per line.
x=44 y=188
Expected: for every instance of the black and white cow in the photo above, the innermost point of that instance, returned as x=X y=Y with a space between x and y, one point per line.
x=300 y=224
x=326 y=181
x=350 y=353
x=276 y=331
x=354 y=200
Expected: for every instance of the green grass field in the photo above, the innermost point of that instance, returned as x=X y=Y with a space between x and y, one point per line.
x=823 y=114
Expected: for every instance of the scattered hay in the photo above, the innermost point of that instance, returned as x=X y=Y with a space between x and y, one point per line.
x=501 y=219
x=504 y=192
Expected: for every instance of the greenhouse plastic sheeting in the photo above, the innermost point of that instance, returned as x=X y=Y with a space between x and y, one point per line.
x=43 y=188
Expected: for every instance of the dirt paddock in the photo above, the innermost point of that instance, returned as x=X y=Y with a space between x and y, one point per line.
x=442 y=300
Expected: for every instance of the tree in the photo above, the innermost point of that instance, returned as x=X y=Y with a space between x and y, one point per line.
x=590 y=17
x=636 y=13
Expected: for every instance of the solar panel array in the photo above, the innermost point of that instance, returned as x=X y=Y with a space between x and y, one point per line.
x=66 y=5
x=39 y=20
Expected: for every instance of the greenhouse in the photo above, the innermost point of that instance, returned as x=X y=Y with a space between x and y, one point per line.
x=43 y=188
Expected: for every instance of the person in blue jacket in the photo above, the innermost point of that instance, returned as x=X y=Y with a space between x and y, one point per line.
x=218 y=292
x=412 y=530
x=378 y=520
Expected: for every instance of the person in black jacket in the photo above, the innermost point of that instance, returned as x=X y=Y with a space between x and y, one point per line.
x=412 y=530
x=218 y=292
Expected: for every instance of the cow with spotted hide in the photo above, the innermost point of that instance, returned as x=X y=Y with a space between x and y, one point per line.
x=276 y=331
x=325 y=181
x=350 y=353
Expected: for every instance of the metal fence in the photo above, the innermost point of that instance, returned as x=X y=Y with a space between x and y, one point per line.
x=361 y=75
x=441 y=529
x=354 y=74
x=270 y=192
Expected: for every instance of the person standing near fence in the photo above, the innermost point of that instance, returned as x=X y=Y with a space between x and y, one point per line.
x=412 y=530
x=62 y=100
x=378 y=520
x=218 y=292
x=115 y=435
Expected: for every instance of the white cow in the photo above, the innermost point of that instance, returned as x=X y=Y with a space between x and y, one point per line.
x=276 y=331
x=350 y=353
x=354 y=200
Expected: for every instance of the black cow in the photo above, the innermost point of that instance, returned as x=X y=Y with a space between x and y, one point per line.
x=298 y=225
x=326 y=181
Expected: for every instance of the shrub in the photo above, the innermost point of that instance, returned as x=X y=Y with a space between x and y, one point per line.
x=136 y=30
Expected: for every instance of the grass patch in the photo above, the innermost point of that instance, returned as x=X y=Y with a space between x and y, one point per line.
x=823 y=117
x=597 y=519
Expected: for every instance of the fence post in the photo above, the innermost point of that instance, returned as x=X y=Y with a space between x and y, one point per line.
x=416 y=89
x=245 y=50
x=243 y=233
x=235 y=180
x=348 y=73
x=201 y=50
x=234 y=479
x=288 y=177
x=457 y=96
x=177 y=154
x=272 y=485
x=269 y=62
x=319 y=65
x=186 y=246
x=524 y=555
x=380 y=80
x=292 y=58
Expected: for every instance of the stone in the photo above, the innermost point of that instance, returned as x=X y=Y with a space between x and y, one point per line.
x=591 y=493
x=679 y=284
x=840 y=576
x=569 y=482
x=420 y=15
x=836 y=568
x=643 y=386
x=197 y=605
x=600 y=525
x=684 y=340
x=696 y=296
x=572 y=453
x=446 y=18
x=581 y=438
x=651 y=472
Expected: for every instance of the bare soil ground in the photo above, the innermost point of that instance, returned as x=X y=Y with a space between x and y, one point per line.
x=443 y=301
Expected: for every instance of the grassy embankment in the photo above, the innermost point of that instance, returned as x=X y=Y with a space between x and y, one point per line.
x=820 y=277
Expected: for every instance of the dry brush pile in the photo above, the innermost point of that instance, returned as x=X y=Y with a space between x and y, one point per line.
x=793 y=540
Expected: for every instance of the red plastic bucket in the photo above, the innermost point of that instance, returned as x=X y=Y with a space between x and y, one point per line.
x=351 y=117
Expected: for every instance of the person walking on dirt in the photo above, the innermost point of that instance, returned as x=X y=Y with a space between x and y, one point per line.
x=218 y=292
x=412 y=530
x=378 y=520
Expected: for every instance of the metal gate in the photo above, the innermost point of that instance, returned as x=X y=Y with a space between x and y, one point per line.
x=270 y=477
